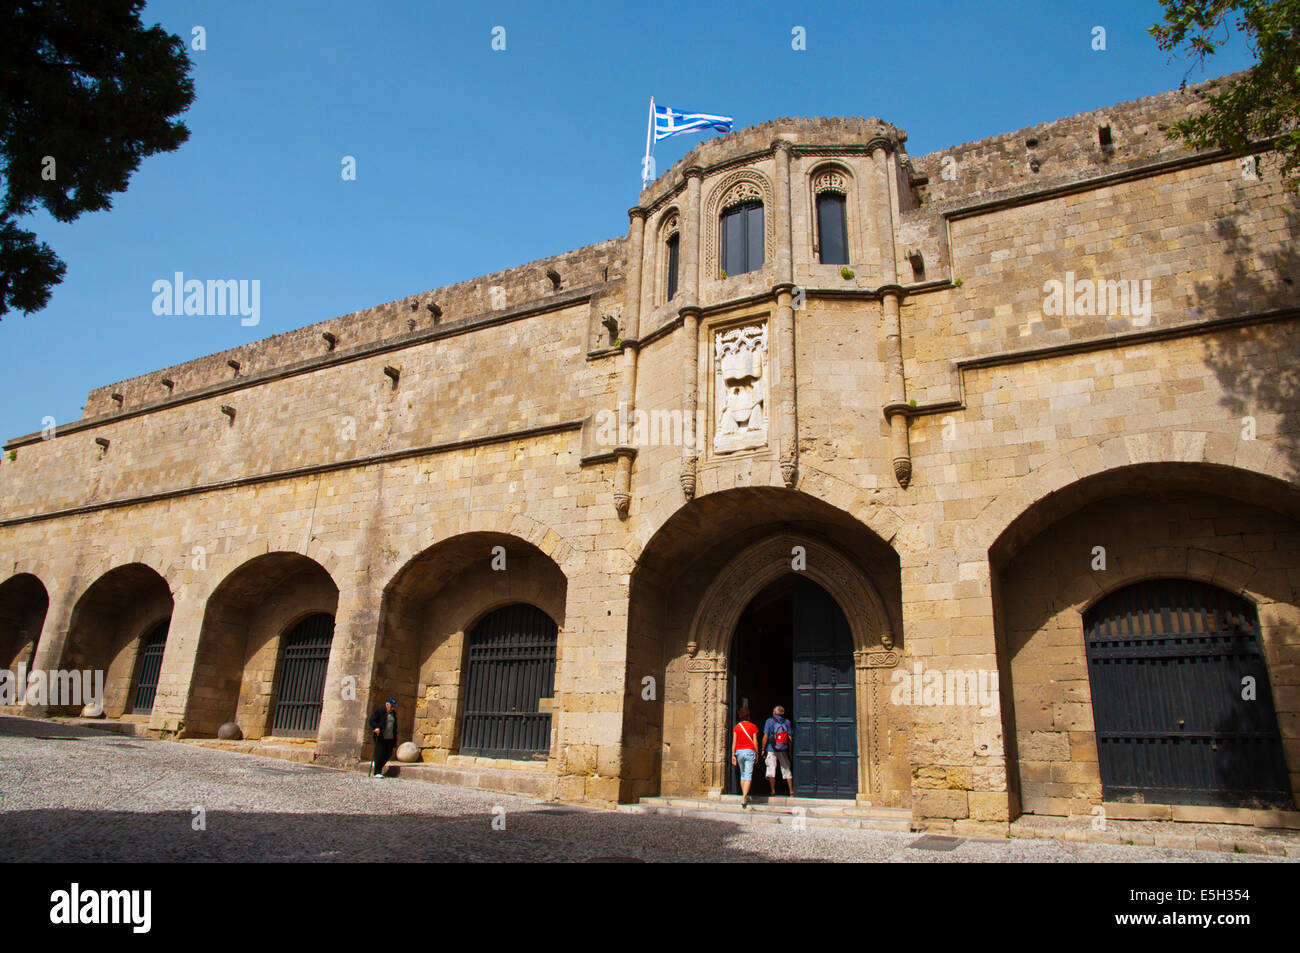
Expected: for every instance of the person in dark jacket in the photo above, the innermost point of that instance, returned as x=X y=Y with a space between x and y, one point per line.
x=383 y=724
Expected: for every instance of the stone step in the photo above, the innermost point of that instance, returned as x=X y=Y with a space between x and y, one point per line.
x=136 y=729
x=502 y=780
x=301 y=754
x=806 y=812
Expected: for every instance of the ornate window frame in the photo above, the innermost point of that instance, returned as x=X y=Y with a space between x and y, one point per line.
x=669 y=224
x=838 y=178
x=745 y=185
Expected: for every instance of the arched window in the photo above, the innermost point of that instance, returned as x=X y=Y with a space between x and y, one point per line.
x=304 y=657
x=741 y=248
x=1168 y=660
x=832 y=229
x=674 y=243
x=510 y=684
x=149 y=668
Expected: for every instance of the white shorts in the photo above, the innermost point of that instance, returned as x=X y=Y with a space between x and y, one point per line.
x=782 y=756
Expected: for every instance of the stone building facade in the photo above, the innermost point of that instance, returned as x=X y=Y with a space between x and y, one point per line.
x=1053 y=373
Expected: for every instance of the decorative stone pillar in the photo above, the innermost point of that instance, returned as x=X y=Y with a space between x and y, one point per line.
x=896 y=409
x=691 y=232
x=630 y=332
x=871 y=669
x=708 y=694
x=786 y=409
x=690 y=314
x=690 y=399
x=784 y=255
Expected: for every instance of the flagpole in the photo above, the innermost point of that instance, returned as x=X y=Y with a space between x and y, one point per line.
x=649 y=126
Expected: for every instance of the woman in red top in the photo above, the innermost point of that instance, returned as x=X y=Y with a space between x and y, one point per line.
x=744 y=752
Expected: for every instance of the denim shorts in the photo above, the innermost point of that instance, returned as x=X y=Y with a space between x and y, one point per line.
x=745 y=758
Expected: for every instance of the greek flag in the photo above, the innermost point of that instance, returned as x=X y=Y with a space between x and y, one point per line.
x=669 y=122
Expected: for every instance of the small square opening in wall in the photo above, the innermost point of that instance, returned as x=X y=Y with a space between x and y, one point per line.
x=1104 y=137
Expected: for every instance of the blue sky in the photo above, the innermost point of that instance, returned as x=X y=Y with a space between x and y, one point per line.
x=471 y=160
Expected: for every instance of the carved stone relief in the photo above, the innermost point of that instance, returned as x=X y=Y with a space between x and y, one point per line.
x=740 y=394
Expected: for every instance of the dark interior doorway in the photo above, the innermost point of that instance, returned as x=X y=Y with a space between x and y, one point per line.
x=793 y=648
x=761 y=671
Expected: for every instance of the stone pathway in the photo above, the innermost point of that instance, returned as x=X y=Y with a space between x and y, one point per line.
x=77 y=794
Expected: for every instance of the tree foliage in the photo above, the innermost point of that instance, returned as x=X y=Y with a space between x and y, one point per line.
x=1261 y=105
x=86 y=92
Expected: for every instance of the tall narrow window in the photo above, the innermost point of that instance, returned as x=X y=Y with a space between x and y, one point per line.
x=742 y=239
x=673 y=244
x=832 y=230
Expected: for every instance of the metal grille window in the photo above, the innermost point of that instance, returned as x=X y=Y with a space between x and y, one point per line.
x=742 y=239
x=1169 y=661
x=304 y=657
x=674 y=244
x=149 y=668
x=510 y=683
x=832 y=229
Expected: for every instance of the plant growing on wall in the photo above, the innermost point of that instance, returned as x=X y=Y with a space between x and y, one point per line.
x=1264 y=104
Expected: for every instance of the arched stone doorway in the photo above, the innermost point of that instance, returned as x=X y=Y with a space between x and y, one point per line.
x=431 y=609
x=23 y=604
x=245 y=622
x=1065 y=556
x=692 y=584
x=793 y=648
x=109 y=628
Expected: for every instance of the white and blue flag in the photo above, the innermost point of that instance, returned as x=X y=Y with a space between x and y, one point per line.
x=669 y=122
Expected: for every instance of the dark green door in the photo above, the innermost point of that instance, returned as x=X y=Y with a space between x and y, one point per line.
x=824 y=708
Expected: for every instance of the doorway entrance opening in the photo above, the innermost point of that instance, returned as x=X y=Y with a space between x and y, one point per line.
x=793 y=648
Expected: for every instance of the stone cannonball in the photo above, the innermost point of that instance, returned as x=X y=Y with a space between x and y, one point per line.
x=407 y=751
x=229 y=732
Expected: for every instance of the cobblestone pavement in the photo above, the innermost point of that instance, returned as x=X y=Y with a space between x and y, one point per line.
x=77 y=794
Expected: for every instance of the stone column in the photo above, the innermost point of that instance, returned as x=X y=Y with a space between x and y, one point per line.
x=180 y=659
x=786 y=409
x=635 y=250
x=784 y=255
x=708 y=693
x=691 y=440
x=50 y=644
x=896 y=408
x=690 y=314
x=630 y=331
x=884 y=215
x=692 y=229
x=346 y=703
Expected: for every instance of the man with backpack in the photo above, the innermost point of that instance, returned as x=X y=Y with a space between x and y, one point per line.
x=778 y=734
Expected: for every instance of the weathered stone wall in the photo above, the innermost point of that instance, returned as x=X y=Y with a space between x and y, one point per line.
x=504 y=430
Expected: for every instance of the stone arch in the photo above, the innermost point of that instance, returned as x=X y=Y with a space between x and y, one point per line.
x=220 y=566
x=24 y=601
x=767 y=560
x=1225 y=526
x=689 y=585
x=432 y=603
x=525 y=528
x=740 y=186
x=1244 y=457
x=107 y=626
x=245 y=617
